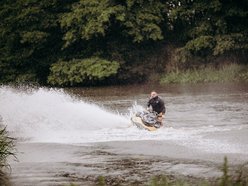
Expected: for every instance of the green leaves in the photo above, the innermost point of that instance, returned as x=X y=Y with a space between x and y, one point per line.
x=231 y=42
x=91 y=19
x=35 y=37
x=29 y=39
x=35 y=34
x=215 y=28
x=81 y=71
x=143 y=20
x=200 y=43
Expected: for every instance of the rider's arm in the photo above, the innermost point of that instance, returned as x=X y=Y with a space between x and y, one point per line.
x=161 y=102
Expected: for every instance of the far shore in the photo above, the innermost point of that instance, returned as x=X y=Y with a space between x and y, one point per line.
x=209 y=74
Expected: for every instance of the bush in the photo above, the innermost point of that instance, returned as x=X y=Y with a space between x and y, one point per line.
x=81 y=71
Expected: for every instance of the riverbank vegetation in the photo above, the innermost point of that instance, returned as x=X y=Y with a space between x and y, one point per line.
x=6 y=150
x=224 y=74
x=90 y=42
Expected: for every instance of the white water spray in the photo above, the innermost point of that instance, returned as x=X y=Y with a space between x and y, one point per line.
x=52 y=115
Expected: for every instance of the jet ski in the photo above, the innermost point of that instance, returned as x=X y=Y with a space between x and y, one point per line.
x=146 y=120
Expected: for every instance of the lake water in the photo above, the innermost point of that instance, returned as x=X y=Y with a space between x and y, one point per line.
x=62 y=127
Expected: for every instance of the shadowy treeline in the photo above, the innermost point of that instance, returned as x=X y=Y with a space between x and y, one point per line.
x=91 y=42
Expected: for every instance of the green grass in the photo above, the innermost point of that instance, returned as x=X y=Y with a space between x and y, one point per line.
x=227 y=73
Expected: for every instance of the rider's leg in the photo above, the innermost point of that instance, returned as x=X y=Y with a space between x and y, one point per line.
x=160 y=118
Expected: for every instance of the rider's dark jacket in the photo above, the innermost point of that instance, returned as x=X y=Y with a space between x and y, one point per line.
x=157 y=104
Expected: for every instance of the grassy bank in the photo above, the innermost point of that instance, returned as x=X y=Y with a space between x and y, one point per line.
x=227 y=73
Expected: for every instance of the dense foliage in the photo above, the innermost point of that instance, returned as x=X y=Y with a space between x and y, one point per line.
x=81 y=71
x=40 y=38
x=215 y=28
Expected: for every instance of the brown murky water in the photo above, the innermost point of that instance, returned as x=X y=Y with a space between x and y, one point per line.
x=75 y=135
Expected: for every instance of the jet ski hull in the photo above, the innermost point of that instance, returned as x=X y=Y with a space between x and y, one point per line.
x=137 y=121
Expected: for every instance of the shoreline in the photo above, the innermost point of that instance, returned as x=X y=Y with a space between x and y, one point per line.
x=235 y=73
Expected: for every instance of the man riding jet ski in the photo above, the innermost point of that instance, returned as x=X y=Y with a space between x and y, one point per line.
x=152 y=118
x=157 y=105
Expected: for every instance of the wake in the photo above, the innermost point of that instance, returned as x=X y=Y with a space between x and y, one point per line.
x=53 y=115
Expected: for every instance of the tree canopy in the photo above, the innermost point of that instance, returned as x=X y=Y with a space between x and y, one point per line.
x=39 y=39
x=216 y=27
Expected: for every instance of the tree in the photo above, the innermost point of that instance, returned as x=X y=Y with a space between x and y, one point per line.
x=29 y=36
x=81 y=71
x=89 y=19
x=216 y=28
x=35 y=35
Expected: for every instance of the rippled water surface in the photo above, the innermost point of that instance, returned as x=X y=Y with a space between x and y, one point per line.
x=201 y=120
x=212 y=117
